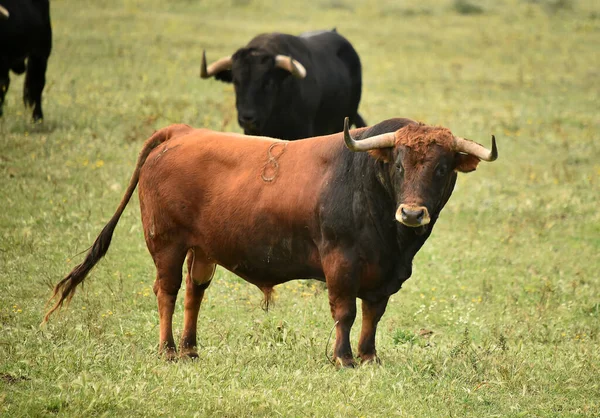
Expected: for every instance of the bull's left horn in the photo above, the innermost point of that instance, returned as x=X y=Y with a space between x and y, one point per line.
x=473 y=148
x=214 y=68
x=287 y=63
x=379 y=141
x=4 y=13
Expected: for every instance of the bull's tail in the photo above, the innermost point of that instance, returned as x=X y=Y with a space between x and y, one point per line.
x=66 y=287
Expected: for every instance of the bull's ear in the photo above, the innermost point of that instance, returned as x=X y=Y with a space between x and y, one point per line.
x=224 y=76
x=382 y=154
x=465 y=163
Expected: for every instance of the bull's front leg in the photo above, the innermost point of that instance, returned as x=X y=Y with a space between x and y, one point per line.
x=372 y=311
x=342 y=286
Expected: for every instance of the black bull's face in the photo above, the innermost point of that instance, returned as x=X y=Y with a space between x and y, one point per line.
x=257 y=82
x=258 y=78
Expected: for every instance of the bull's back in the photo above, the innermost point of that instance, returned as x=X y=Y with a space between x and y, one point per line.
x=339 y=75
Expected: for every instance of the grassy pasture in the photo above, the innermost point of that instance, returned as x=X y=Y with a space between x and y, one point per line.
x=508 y=283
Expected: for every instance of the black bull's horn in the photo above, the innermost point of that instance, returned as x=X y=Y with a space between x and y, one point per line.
x=281 y=61
x=214 y=68
x=294 y=67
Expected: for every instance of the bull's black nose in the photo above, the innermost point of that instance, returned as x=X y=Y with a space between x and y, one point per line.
x=412 y=216
x=247 y=120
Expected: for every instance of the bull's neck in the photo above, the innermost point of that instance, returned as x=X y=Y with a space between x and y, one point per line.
x=378 y=193
x=372 y=190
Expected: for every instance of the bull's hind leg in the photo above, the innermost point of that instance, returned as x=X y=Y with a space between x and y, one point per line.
x=342 y=286
x=169 y=263
x=199 y=276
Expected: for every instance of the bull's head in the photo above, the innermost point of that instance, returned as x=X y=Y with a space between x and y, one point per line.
x=421 y=161
x=257 y=77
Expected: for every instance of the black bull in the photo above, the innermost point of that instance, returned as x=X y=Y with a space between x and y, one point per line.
x=353 y=219
x=25 y=36
x=292 y=87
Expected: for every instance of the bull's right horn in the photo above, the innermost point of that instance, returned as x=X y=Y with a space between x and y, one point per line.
x=214 y=68
x=473 y=148
x=4 y=13
x=291 y=65
x=379 y=141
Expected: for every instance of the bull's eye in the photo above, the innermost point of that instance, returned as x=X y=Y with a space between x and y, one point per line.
x=399 y=168
x=441 y=170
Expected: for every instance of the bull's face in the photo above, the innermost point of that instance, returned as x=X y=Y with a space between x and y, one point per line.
x=256 y=81
x=257 y=77
x=422 y=162
x=420 y=178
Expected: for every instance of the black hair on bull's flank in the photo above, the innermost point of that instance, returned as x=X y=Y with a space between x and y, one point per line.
x=373 y=201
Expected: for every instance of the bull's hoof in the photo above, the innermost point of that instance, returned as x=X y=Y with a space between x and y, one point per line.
x=169 y=354
x=366 y=359
x=189 y=354
x=38 y=118
x=345 y=363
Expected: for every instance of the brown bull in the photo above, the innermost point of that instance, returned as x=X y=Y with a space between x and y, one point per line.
x=272 y=211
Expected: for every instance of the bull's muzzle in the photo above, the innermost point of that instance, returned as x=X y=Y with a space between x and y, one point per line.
x=412 y=216
x=249 y=122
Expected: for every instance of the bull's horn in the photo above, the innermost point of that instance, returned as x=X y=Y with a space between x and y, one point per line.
x=473 y=148
x=4 y=13
x=287 y=63
x=214 y=68
x=380 y=141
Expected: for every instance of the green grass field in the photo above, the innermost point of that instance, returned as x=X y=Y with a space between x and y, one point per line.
x=508 y=283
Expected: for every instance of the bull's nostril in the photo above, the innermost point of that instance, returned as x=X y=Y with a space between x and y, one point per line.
x=404 y=214
x=247 y=120
x=420 y=215
x=412 y=216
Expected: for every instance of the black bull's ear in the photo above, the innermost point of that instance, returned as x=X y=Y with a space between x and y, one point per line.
x=224 y=76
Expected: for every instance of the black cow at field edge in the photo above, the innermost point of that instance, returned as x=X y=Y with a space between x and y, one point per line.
x=293 y=87
x=25 y=34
